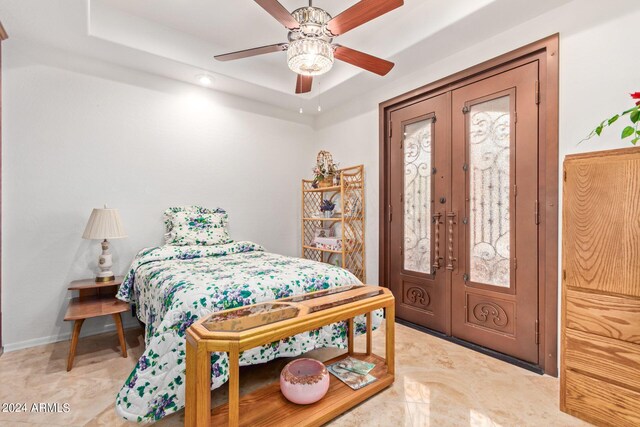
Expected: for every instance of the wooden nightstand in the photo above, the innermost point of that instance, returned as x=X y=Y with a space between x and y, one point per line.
x=94 y=300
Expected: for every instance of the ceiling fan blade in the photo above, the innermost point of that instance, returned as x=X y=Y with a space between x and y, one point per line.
x=303 y=84
x=252 y=52
x=278 y=11
x=361 y=13
x=363 y=60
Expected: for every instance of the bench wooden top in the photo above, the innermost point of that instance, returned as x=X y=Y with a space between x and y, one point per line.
x=253 y=325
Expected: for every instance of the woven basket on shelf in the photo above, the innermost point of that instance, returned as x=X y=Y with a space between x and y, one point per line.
x=324 y=157
x=326 y=182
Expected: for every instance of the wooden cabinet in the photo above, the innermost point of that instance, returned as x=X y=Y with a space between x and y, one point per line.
x=600 y=355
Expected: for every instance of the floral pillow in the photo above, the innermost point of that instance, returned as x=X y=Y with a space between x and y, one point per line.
x=193 y=228
x=169 y=221
x=169 y=213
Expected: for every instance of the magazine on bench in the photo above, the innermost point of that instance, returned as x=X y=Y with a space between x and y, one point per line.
x=353 y=372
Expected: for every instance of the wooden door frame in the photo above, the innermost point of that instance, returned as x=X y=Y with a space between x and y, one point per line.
x=546 y=51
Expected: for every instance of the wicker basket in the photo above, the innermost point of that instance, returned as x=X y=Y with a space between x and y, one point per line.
x=324 y=157
x=327 y=181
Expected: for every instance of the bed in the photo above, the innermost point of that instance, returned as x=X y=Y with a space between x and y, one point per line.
x=172 y=286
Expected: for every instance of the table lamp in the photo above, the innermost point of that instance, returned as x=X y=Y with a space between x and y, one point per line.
x=104 y=224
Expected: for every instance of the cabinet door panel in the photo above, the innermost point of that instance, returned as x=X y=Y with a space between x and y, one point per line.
x=601 y=224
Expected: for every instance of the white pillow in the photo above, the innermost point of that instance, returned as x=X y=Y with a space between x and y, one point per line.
x=194 y=228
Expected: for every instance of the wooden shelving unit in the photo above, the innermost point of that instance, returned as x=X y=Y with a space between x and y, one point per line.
x=347 y=223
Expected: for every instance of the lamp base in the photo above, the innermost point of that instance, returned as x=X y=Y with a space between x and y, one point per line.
x=104 y=263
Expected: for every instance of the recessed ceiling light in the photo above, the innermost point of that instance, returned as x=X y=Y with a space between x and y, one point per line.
x=204 y=79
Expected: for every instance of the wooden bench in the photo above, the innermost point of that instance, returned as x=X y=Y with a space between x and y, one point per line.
x=237 y=330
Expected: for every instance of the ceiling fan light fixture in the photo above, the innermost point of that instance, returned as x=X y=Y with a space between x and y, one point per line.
x=312 y=21
x=310 y=56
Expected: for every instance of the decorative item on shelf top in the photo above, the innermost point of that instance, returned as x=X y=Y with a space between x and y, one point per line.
x=325 y=169
x=327 y=207
x=632 y=130
x=304 y=381
x=104 y=224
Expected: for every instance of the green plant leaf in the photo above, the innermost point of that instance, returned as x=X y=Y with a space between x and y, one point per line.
x=627 y=132
x=635 y=116
x=634 y=141
x=598 y=130
x=613 y=119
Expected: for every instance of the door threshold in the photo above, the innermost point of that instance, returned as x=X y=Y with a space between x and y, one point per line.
x=486 y=351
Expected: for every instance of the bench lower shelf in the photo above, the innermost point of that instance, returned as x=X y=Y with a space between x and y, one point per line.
x=268 y=407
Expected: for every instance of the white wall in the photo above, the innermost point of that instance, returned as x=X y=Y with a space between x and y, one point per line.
x=598 y=69
x=77 y=134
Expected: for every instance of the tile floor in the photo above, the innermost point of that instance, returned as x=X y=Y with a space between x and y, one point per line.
x=437 y=384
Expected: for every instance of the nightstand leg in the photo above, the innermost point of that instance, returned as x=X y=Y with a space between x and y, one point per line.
x=77 y=325
x=120 y=328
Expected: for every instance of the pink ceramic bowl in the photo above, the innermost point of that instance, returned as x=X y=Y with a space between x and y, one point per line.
x=304 y=381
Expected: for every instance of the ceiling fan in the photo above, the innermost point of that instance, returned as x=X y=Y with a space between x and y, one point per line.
x=310 y=50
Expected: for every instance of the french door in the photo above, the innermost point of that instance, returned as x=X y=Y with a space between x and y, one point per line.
x=420 y=174
x=463 y=256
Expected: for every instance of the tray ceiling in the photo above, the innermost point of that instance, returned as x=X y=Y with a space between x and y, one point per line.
x=178 y=39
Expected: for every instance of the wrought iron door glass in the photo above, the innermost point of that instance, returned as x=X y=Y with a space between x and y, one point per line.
x=417 y=148
x=489 y=187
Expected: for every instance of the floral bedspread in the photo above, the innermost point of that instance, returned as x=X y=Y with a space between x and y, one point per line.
x=173 y=286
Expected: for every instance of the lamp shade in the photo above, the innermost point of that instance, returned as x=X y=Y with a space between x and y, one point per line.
x=104 y=224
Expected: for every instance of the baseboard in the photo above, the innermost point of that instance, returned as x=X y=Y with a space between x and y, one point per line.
x=65 y=336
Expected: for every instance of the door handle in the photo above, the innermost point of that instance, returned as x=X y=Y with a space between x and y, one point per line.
x=436 y=255
x=451 y=217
